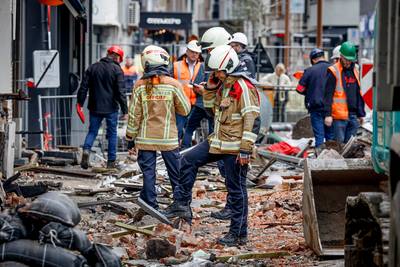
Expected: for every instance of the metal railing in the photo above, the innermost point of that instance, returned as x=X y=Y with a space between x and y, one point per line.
x=61 y=125
x=287 y=104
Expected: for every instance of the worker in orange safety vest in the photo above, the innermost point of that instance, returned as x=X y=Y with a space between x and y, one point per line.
x=344 y=105
x=188 y=70
x=130 y=74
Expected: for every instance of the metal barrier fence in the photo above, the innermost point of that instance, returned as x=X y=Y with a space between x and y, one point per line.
x=62 y=127
x=287 y=105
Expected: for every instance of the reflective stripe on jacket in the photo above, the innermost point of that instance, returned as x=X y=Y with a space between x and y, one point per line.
x=182 y=74
x=233 y=130
x=152 y=122
x=340 y=110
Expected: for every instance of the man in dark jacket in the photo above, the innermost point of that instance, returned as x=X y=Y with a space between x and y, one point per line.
x=344 y=105
x=239 y=43
x=312 y=85
x=104 y=80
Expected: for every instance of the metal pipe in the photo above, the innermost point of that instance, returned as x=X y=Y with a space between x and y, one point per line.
x=40 y=120
x=90 y=31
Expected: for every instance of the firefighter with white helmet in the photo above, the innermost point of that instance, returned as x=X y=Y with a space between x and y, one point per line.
x=214 y=37
x=239 y=43
x=236 y=114
x=156 y=99
x=335 y=54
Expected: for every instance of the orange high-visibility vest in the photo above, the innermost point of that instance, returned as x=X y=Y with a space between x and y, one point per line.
x=340 y=110
x=182 y=74
x=131 y=71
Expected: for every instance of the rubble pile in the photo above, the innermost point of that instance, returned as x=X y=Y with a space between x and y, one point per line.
x=107 y=221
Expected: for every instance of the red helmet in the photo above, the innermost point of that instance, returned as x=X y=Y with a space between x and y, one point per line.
x=117 y=50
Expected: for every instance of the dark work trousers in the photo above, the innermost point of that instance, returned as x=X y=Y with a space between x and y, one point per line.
x=196 y=116
x=147 y=163
x=235 y=182
x=320 y=130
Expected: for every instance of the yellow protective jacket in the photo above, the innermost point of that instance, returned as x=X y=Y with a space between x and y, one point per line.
x=236 y=106
x=152 y=122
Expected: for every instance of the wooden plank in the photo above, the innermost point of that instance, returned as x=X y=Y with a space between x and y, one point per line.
x=92 y=191
x=105 y=201
x=134 y=229
x=248 y=256
x=136 y=186
x=127 y=232
x=310 y=221
x=59 y=171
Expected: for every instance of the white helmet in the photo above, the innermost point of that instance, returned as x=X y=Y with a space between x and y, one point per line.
x=239 y=37
x=223 y=57
x=214 y=37
x=194 y=46
x=154 y=56
x=336 y=52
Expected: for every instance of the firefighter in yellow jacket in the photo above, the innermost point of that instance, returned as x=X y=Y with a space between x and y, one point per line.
x=236 y=111
x=156 y=99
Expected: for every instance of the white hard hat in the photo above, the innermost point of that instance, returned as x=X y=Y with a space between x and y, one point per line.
x=223 y=57
x=214 y=37
x=194 y=46
x=154 y=56
x=336 y=52
x=239 y=37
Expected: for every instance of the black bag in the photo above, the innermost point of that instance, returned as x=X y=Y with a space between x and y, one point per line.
x=52 y=207
x=11 y=228
x=31 y=253
x=101 y=256
x=64 y=236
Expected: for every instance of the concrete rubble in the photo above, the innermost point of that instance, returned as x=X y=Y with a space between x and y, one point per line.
x=110 y=214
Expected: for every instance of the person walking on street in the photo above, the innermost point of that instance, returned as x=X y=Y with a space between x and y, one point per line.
x=156 y=99
x=130 y=74
x=312 y=86
x=239 y=43
x=188 y=71
x=236 y=107
x=344 y=105
x=104 y=81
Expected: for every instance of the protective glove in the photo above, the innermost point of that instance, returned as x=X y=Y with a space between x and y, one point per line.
x=243 y=158
x=80 y=113
x=130 y=144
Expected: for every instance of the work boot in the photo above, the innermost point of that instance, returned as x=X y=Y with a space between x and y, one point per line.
x=177 y=209
x=85 y=159
x=232 y=240
x=224 y=214
x=112 y=164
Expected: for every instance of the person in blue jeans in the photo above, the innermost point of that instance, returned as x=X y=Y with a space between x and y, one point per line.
x=344 y=107
x=312 y=86
x=104 y=81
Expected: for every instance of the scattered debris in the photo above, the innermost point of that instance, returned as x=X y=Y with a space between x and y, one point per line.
x=157 y=248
